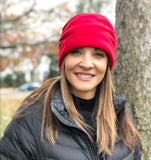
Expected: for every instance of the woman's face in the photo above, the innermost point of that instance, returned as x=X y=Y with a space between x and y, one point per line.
x=84 y=69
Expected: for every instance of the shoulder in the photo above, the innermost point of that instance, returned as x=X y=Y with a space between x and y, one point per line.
x=118 y=102
x=21 y=135
x=26 y=123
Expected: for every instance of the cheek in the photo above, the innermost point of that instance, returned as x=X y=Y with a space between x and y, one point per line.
x=101 y=67
x=67 y=63
x=70 y=62
x=68 y=66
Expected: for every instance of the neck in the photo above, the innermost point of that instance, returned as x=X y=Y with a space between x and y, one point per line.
x=84 y=95
x=85 y=107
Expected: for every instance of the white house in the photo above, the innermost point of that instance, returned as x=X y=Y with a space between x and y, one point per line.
x=31 y=73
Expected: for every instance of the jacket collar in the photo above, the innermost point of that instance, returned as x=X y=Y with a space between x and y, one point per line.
x=119 y=103
x=58 y=108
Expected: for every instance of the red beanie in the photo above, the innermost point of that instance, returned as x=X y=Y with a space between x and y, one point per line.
x=88 y=30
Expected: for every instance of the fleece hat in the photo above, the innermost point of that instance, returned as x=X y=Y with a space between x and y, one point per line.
x=88 y=30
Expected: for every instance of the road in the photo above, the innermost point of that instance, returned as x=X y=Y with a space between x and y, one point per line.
x=13 y=93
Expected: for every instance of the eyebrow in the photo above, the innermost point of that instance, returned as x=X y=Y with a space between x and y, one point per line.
x=100 y=50
x=97 y=49
x=94 y=49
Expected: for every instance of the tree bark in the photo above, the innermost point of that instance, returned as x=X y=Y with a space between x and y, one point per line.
x=132 y=70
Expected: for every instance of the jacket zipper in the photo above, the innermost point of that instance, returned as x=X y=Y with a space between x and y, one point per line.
x=91 y=146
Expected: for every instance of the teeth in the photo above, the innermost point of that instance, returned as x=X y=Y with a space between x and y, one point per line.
x=84 y=76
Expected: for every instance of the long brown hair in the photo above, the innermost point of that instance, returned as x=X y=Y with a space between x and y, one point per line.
x=106 y=119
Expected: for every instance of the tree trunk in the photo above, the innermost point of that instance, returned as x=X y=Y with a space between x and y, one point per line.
x=132 y=70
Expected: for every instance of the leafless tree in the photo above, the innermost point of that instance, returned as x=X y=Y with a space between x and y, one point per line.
x=28 y=30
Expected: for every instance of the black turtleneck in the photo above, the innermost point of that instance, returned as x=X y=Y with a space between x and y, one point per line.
x=85 y=108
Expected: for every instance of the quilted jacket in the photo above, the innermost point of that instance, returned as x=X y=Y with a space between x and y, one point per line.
x=21 y=140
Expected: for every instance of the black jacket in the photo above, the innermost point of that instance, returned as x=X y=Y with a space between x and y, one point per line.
x=22 y=141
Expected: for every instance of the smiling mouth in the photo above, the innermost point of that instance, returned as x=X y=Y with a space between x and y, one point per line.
x=84 y=76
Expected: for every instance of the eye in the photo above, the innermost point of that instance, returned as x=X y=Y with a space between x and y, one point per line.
x=99 y=54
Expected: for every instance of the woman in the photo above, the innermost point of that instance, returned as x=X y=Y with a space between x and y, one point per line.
x=76 y=116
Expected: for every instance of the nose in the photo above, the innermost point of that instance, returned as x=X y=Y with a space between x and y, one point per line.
x=86 y=61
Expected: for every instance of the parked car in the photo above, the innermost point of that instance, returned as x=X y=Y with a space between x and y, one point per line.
x=29 y=86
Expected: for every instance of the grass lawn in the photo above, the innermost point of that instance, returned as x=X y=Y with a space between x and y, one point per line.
x=7 y=110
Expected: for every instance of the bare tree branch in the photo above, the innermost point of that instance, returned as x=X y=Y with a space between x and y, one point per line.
x=6 y=20
x=12 y=21
x=36 y=43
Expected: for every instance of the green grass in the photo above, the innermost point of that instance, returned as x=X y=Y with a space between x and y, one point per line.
x=7 y=110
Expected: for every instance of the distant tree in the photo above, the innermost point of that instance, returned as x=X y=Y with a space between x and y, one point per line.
x=27 y=30
x=132 y=70
x=23 y=29
x=91 y=6
x=8 y=80
x=19 y=79
x=12 y=80
x=53 y=70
